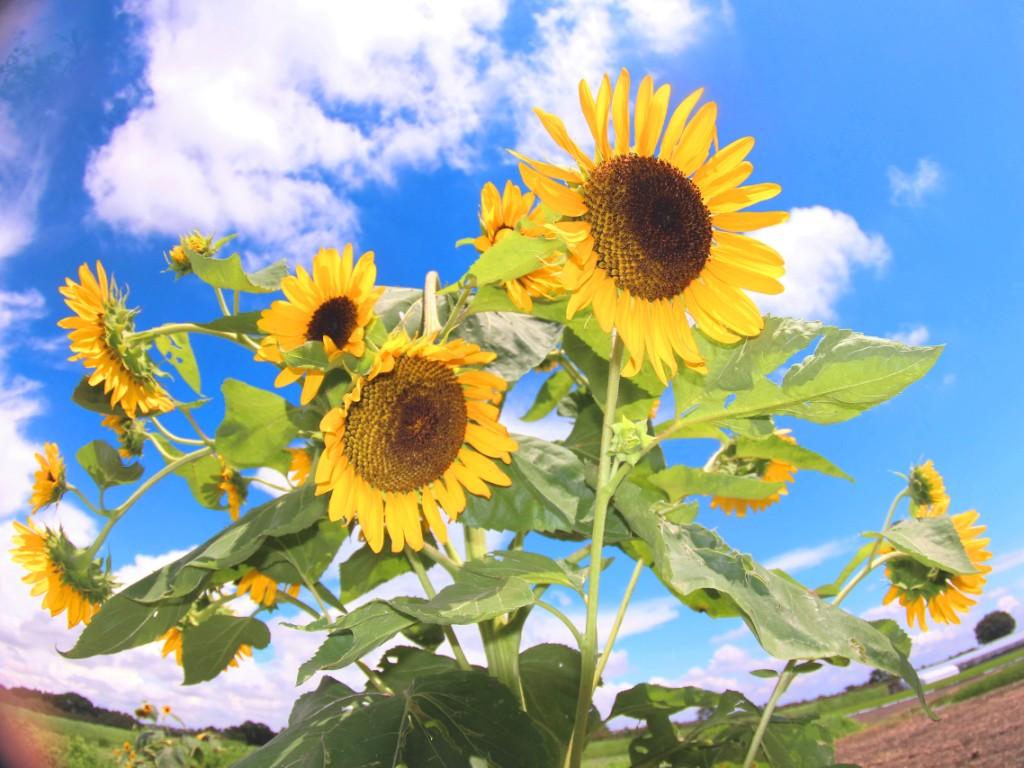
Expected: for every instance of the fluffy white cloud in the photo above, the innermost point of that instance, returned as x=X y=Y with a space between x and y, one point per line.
x=270 y=130
x=911 y=187
x=914 y=336
x=23 y=172
x=806 y=557
x=822 y=248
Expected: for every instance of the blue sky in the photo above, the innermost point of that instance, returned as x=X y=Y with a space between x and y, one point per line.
x=894 y=130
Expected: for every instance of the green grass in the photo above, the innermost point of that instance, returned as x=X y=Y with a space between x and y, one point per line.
x=1003 y=677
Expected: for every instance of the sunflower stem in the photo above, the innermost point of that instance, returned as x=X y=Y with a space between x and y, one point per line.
x=785 y=678
x=187 y=413
x=428 y=587
x=221 y=302
x=431 y=323
x=605 y=489
x=617 y=625
x=171 y=436
x=457 y=315
x=562 y=618
x=860 y=575
x=885 y=526
x=88 y=504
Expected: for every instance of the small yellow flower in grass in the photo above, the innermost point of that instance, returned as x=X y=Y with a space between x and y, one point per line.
x=656 y=233
x=300 y=467
x=146 y=710
x=411 y=437
x=50 y=481
x=165 y=709
x=178 y=260
x=918 y=586
x=333 y=305
x=499 y=215
x=100 y=335
x=262 y=589
x=233 y=486
x=928 y=497
x=131 y=435
x=768 y=470
x=57 y=569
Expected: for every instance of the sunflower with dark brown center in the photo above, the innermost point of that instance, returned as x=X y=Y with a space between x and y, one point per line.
x=411 y=437
x=332 y=306
x=655 y=232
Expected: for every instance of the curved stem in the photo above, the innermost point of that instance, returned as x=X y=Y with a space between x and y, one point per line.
x=859 y=576
x=610 y=642
x=562 y=618
x=588 y=649
x=159 y=448
x=449 y=633
x=785 y=678
x=221 y=302
x=89 y=505
x=453 y=553
x=440 y=558
x=885 y=525
x=268 y=484
x=457 y=315
x=169 y=328
x=187 y=413
x=171 y=436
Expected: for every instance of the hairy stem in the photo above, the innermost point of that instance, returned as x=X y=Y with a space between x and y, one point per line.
x=588 y=651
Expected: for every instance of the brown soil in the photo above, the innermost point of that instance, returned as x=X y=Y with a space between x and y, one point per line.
x=983 y=732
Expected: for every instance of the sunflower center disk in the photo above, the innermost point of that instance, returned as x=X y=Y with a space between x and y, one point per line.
x=408 y=426
x=651 y=229
x=336 y=318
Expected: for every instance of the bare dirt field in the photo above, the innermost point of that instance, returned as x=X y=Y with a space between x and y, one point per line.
x=984 y=732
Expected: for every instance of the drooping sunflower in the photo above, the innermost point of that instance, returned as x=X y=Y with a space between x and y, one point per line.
x=262 y=589
x=655 y=233
x=131 y=434
x=411 y=437
x=100 y=335
x=917 y=586
x=768 y=470
x=233 y=486
x=333 y=305
x=928 y=497
x=56 y=570
x=300 y=466
x=501 y=214
x=50 y=481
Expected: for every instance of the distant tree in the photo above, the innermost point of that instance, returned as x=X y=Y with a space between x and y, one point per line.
x=993 y=626
x=256 y=734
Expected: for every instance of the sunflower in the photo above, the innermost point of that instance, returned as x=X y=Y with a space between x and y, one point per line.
x=918 y=586
x=499 y=215
x=177 y=258
x=173 y=638
x=420 y=427
x=262 y=589
x=928 y=497
x=56 y=569
x=232 y=484
x=131 y=435
x=50 y=483
x=165 y=709
x=655 y=233
x=100 y=337
x=300 y=466
x=334 y=306
x=766 y=470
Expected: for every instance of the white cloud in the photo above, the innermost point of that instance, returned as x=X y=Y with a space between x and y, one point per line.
x=271 y=130
x=911 y=187
x=23 y=172
x=736 y=633
x=143 y=565
x=822 y=248
x=806 y=557
x=914 y=336
x=1008 y=603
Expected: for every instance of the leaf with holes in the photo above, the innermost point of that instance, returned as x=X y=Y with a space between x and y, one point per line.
x=177 y=351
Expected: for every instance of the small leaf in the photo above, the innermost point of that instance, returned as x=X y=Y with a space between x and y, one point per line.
x=104 y=465
x=177 y=350
x=932 y=541
x=92 y=398
x=208 y=648
x=774 y=447
x=257 y=427
x=365 y=570
x=528 y=566
x=229 y=273
x=312 y=354
x=680 y=481
x=243 y=322
x=471 y=599
x=767 y=673
x=554 y=388
x=513 y=256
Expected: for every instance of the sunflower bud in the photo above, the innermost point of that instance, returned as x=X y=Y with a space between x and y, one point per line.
x=928 y=497
x=178 y=257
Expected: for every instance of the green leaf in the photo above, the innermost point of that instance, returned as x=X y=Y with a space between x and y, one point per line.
x=229 y=273
x=104 y=465
x=554 y=388
x=551 y=684
x=774 y=447
x=766 y=673
x=494 y=298
x=547 y=492
x=528 y=566
x=845 y=375
x=208 y=648
x=439 y=721
x=472 y=598
x=297 y=558
x=399 y=667
x=257 y=427
x=312 y=354
x=92 y=398
x=354 y=635
x=177 y=350
x=648 y=700
x=521 y=342
x=680 y=481
x=309 y=705
x=365 y=570
x=932 y=541
x=397 y=305
x=513 y=256
x=243 y=322
x=636 y=395
x=797 y=745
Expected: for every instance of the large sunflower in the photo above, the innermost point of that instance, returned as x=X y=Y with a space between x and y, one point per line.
x=928 y=495
x=55 y=570
x=334 y=306
x=655 y=232
x=50 y=481
x=263 y=589
x=100 y=337
x=420 y=427
x=917 y=586
x=767 y=470
x=499 y=215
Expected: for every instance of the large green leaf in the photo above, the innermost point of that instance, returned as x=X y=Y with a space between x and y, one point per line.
x=846 y=374
x=229 y=273
x=933 y=541
x=521 y=342
x=257 y=427
x=365 y=570
x=547 y=492
x=680 y=481
x=551 y=393
x=649 y=700
x=439 y=721
x=472 y=598
x=528 y=566
x=297 y=558
x=104 y=465
x=208 y=648
x=399 y=667
x=310 y=705
x=399 y=306
x=177 y=350
x=513 y=256
x=774 y=447
x=143 y=611
x=551 y=684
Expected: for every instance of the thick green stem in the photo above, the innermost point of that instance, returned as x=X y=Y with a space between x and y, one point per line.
x=171 y=436
x=221 y=302
x=785 y=678
x=856 y=579
x=605 y=489
x=885 y=525
x=457 y=315
x=428 y=587
x=610 y=642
